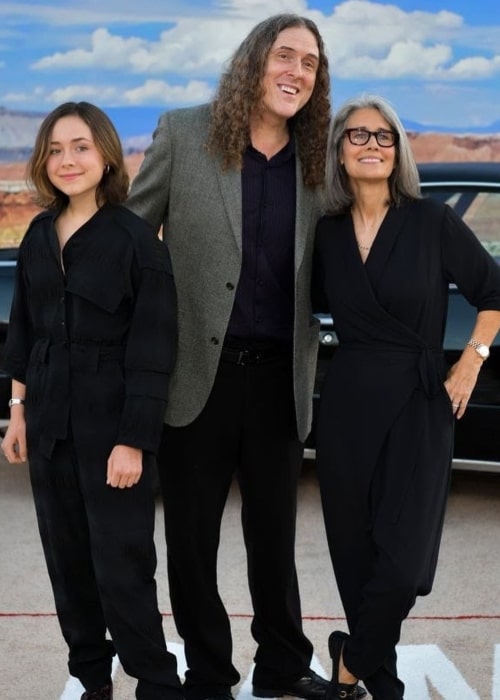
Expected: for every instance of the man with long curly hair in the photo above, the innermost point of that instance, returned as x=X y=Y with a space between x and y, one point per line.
x=236 y=185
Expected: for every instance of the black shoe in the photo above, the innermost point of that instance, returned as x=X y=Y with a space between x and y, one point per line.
x=337 y=690
x=104 y=693
x=220 y=696
x=310 y=687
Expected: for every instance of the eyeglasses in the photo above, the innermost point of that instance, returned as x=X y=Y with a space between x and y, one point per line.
x=360 y=137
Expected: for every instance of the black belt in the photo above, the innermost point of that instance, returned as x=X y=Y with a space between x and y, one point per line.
x=253 y=355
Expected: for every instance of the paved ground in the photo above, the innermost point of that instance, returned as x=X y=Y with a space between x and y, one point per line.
x=450 y=649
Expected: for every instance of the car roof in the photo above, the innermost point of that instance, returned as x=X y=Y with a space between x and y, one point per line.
x=463 y=173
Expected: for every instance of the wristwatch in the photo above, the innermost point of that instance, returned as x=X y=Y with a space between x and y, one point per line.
x=482 y=350
x=14 y=402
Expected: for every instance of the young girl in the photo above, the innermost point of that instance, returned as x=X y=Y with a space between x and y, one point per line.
x=90 y=348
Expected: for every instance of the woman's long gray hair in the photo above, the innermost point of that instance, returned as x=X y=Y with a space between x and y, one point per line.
x=403 y=181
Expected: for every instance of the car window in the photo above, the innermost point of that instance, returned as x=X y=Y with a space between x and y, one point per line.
x=480 y=209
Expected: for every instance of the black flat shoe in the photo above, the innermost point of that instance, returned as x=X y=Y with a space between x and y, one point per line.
x=104 y=693
x=336 y=690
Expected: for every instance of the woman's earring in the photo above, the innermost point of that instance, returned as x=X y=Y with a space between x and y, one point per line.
x=106 y=169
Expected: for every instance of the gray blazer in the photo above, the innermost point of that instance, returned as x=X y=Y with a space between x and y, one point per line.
x=183 y=189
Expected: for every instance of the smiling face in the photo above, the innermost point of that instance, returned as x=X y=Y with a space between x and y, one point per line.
x=290 y=74
x=371 y=161
x=74 y=164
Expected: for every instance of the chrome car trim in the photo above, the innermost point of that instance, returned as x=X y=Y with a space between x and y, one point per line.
x=425 y=184
x=474 y=465
x=470 y=465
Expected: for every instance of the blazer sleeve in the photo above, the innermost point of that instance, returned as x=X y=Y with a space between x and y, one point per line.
x=149 y=193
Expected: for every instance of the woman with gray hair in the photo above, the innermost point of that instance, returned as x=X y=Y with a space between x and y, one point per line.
x=384 y=258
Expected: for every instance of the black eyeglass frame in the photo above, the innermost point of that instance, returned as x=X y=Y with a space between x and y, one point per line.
x=369 y=134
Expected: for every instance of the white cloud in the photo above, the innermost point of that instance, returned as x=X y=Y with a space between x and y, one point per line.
x=413 y=60
x=107 y=51
x=94 y=12
x=395 y=44
x=404 y=58
x=476 y=67
x=257 y=9
x=16 y=98
x=176 y=50
x=104 y=95
x=399 y=44
x=156 y=92
x=185 y=49
x=160 y=92
x=190 y=48
x=385 y=24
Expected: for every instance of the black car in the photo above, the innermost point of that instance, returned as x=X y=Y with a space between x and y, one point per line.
x=8 y=257
x=473 y=190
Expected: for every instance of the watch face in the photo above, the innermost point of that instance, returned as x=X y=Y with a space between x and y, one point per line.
x=483 y=350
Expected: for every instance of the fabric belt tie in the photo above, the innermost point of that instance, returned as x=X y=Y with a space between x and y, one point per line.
x=56 y=361
x=431 y=365
x=432 y=371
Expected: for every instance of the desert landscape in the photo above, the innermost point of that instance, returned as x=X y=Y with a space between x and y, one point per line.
x=17 y=208
x=16 y=205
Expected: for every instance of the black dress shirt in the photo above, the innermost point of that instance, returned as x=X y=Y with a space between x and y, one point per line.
x=264 y=302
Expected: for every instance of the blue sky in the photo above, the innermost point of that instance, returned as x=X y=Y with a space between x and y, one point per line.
x=438 y=61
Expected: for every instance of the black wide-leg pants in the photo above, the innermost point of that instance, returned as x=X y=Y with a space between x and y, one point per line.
x=247 y=429
x=101 y=559
x=384 y=527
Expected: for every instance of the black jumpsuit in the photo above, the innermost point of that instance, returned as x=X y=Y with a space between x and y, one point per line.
x=95 y=354
x=385 y=428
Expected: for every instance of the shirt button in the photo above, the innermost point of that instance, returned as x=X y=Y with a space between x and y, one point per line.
x=230 y=286
x=214 y=340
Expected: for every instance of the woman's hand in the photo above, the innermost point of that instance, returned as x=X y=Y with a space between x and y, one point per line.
x=124 y=466
x=14 y=443
x=462 y=379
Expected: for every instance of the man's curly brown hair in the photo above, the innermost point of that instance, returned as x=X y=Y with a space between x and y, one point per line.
x=240 y=90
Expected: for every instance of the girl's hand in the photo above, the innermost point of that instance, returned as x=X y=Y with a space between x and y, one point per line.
x=124 y=466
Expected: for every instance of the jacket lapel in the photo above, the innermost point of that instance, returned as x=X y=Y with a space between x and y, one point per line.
x=306 y=207
x=384 y=243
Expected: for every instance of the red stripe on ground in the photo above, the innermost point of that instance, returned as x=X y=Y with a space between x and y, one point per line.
x=310 y=618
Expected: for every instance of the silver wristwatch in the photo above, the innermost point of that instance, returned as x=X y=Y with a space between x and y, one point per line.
x=14 y=402
x=482 y=350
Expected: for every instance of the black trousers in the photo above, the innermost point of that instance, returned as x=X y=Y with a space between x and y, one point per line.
x=101 y=559
x=247 y=429
x=384 y=530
